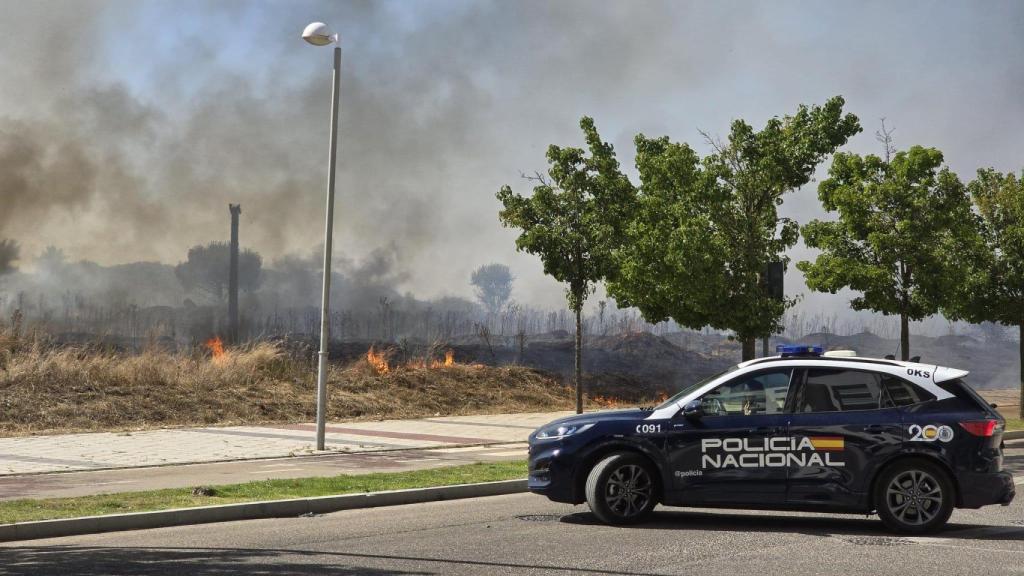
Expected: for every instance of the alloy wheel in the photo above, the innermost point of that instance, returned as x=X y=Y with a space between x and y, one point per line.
x=914 y=497
x=629 y=490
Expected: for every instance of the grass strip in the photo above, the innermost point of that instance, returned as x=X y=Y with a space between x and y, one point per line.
x=50 y=508
x=1014 y=423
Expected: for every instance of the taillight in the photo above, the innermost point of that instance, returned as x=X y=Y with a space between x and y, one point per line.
x=984 y=428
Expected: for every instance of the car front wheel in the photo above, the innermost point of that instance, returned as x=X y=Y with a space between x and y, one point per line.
x=621 y=489
x=914 y=497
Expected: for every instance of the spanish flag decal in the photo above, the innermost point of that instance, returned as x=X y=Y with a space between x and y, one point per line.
x=828 y=443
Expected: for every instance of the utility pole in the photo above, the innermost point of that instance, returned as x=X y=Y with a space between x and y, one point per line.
x=236 y=210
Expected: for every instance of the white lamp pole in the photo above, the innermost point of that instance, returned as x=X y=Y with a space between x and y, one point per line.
x=317 y=34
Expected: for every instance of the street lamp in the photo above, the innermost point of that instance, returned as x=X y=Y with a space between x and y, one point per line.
x=318 y=34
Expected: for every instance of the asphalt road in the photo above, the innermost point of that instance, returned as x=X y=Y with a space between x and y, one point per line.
x=526 y=534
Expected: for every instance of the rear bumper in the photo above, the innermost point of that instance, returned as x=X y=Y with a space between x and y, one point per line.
x=977 y=490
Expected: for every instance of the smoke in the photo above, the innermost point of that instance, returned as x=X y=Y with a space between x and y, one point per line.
x=129 y=139
x=115 y=170
x=127 y=127
x=295 y=281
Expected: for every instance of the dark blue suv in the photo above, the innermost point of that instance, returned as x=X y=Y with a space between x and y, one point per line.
x=801 y=431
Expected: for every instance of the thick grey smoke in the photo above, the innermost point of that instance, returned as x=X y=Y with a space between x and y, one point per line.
x=127 y=127
x=110 y=174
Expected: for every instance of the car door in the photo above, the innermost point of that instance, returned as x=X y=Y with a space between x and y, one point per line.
x=841 y=429
x=725 y=455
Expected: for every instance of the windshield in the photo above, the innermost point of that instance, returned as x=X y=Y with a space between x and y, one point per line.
x=675 y=398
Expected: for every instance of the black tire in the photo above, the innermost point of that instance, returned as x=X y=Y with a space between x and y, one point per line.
x=622 y=488
x=914 y=497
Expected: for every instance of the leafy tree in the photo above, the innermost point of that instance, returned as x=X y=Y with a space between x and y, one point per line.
x=705 y=229
x=51 y=261
x=996 y=280
x=899 y=238
x=208 y=268
x=572 y=222
x=9 y=251
x=493 y=284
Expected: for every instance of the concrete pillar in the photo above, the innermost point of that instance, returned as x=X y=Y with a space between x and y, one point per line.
x=236 y=210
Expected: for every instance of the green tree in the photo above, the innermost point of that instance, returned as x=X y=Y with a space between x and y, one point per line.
x=705 y=229
x=899 y=238
x=572 y=222
x=996 y=280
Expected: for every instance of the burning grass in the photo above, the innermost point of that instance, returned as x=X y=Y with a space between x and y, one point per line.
x=44 y=388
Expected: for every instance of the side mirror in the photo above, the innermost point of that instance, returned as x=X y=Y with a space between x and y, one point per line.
x=693 y=410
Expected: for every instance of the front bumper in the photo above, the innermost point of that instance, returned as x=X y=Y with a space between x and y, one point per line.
x=550 y=473
x=977 y=490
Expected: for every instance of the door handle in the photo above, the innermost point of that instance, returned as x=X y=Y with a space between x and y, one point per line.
x=765 y=430
x=875 y=428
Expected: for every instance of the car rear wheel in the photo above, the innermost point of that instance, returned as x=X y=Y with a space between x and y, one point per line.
x=914 y=497
x=621 y=489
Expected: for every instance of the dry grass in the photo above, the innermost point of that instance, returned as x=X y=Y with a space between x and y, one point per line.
x=46 y=389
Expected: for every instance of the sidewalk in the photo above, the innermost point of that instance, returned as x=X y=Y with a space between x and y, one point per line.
x=96 y=451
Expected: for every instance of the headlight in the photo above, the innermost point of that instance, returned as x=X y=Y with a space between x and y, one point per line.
x=562 y=431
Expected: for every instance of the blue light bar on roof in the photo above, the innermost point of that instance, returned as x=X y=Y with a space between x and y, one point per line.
x=798 y=350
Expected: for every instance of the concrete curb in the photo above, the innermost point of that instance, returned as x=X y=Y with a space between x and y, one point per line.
x=1014 y=435
x=252 y=510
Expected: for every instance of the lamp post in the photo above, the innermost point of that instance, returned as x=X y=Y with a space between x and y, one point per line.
x=318 y=34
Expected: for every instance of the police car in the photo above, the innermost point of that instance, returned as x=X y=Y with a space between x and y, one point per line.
x=805 y=430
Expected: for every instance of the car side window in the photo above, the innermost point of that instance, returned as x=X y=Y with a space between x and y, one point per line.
x=838 y=390
x=760 y=393
x=898 y=392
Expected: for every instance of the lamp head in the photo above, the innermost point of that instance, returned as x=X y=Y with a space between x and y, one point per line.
x=318 y=34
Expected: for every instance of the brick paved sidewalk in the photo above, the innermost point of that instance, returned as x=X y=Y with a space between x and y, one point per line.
x=93 y=451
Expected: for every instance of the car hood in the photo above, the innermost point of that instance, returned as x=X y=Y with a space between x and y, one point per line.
x=603 y=416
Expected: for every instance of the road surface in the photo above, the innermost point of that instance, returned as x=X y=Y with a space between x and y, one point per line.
x=526 y=534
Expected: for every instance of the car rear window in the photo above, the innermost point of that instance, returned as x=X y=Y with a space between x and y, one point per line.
x=967 y=395
x=899 y=392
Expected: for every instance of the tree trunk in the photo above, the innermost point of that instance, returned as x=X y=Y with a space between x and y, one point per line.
x=749 y=348
x=577 y=376
x=904 y=337
x=1021 y=401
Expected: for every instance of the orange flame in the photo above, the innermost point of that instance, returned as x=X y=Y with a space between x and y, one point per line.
x=216 y=347
x=378 y=361
x=607 y=401
x=449 y=360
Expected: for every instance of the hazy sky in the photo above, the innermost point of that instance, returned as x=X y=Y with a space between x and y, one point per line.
x=126 y=127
